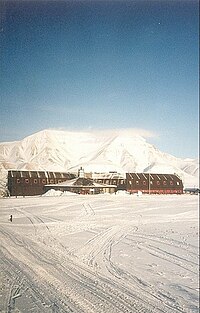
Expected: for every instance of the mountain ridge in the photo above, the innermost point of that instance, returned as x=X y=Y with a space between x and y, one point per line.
x=96 y=151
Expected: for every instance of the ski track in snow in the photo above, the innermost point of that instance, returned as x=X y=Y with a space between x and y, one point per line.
x=97 y=254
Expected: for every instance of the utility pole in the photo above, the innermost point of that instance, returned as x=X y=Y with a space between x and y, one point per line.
x=149 y=183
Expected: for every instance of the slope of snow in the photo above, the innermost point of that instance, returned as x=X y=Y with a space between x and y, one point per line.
x=120 y=151
x=99 y=254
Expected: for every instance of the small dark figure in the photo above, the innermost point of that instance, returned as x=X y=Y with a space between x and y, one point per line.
x=11 y=218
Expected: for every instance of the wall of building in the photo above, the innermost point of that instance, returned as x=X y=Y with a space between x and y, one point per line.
x=31 y=183
x=154 y=183
x=111 y=179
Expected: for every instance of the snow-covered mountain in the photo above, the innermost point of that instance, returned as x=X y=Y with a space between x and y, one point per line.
x=95 y=151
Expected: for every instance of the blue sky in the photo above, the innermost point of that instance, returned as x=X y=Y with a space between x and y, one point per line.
x=82 y=65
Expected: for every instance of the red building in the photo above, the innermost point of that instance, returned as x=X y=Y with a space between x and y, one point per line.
x=31 y=183
x=154 y=183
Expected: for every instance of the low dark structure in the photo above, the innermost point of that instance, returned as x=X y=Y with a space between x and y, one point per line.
x=31 y=183
x=82 y=185
x=192 y=191
x=154 y=183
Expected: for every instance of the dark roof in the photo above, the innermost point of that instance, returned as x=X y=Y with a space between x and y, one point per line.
x=153 y=176
x=39 y=174
x=82 y=181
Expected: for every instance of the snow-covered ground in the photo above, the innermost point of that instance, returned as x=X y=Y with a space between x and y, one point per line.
x=100 y=253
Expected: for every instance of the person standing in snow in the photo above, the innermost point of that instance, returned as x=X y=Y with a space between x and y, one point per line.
x=11 y=218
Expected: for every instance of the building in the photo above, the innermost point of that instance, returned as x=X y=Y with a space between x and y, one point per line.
x=82 y=185
x=154 y=183
x=31 y=183
x=111 y=178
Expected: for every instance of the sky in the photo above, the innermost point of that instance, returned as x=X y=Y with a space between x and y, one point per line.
x=83 y=65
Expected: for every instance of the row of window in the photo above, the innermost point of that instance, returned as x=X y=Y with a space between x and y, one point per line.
x=114 y=182
x=36 y=181
x=157 y=182
x=51 y=181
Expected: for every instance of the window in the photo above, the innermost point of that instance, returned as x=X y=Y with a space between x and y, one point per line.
x=44 y=181
x=35 y=181
x=18 y=181
x=171 y=182
x=130 y=182
x=26 y=180
x=164 y=182
x=51 y=181
x=158 y=183
x=122 y=181
x=178 y=183
x=137 y=182
x=144 y=182
x=59 y=181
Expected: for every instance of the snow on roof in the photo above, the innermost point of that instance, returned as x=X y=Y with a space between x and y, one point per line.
x=80 y=182
x=110 y=175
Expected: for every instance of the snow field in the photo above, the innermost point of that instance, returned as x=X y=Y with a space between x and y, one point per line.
x=99 y=253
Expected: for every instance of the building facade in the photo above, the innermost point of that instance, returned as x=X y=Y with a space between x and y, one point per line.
x=111 y=178
x=31 y=183
x=154 y=183
x=82 y=185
